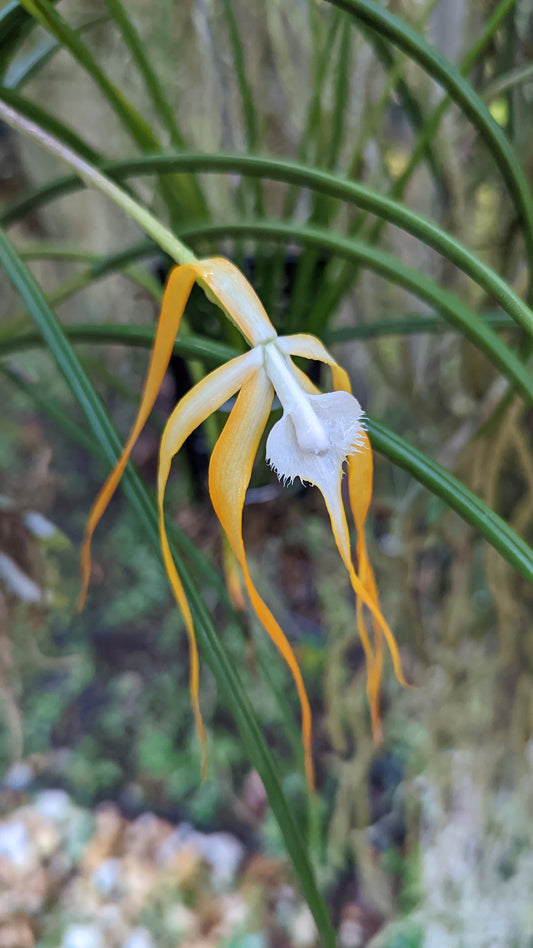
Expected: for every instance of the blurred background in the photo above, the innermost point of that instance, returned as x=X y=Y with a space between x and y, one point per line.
x=107 y=831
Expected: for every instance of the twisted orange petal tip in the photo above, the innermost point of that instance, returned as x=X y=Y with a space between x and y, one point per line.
x=233 y=577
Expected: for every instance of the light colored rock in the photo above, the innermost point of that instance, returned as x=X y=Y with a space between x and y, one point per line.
x=234 y=911
x=224 y=855
x=82 y=936
x=16 y=846
x=139 y=938
x=255 y=940
x=351 y=934
x=55 y=805
x=19 y=583
x=180 y=920
x=145 y=836
x=18 y=776
x=107 y=876
x=38 y=525
x=303 y=929
x=221 y=851
x=106 y=840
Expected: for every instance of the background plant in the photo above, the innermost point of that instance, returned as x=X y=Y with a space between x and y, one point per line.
x=380 y=209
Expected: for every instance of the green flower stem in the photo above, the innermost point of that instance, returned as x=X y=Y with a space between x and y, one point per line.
x=99 y=182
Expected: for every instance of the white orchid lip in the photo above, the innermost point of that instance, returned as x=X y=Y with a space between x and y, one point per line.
x=311 y=435
x=340 y=416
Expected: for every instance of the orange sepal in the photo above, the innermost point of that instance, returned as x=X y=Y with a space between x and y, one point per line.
x=176 y=294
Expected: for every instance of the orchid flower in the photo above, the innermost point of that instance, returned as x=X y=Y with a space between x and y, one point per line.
x=315 y=436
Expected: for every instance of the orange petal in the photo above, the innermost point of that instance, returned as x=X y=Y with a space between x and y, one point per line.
x=309 y=347
x=175 y=297
x=360 y=471
x=191 y=411
x=229 y=476
x=233 y=576
x=224 y=283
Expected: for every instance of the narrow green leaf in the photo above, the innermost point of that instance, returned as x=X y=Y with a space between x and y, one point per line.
x=180 y=200
x=341 y=94
x=245 y=93
x=26 y=67
x=151 y=81
x=452 y=309
x=221 y=666
x=22 y=69
x=408 y=100
x=197 y=347
x=386 y=24
x=209 y=351
x=307 y=140
x=333 y=185
x=454 y=493
x=15 y=24
x=522 y=75
x=334 y=290
x=408 y=326
x=49 y=123
x=429 y=131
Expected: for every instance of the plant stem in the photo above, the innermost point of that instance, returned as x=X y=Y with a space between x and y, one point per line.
x=98 y=181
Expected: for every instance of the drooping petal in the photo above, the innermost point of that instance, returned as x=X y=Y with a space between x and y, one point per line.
x=176 y=294
x=229 y=476
x=224 y=283
x=309 y=347
x=191 y=411
x=360 y=469
x=360 y=472
x=360 y=475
